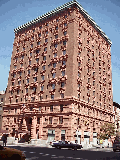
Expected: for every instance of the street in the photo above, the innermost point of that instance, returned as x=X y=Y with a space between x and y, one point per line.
x=43 y=153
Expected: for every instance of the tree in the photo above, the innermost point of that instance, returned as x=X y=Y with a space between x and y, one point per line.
x=106 y=131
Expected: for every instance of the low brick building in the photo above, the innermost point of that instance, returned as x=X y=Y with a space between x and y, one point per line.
x=60 y=82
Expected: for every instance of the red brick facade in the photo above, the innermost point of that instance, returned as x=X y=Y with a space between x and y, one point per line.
x=60 y=79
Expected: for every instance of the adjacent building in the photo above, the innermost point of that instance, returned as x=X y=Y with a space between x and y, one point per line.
x=2 y=101
x=60 y=81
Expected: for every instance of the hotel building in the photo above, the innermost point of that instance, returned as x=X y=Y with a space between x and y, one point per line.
x=60 y=81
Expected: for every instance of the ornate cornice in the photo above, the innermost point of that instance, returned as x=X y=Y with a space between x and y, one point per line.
x=61 y=8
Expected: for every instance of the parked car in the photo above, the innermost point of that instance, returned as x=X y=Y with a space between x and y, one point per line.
x=116 y=144
x=66 y=144
x=10 y=153
x=51 y=143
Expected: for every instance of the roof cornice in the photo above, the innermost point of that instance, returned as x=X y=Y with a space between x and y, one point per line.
x=61 y=8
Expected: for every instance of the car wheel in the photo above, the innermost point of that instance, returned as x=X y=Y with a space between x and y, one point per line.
x=16 y=156
x=75 y=148
x=58 y=147
x=114 y=150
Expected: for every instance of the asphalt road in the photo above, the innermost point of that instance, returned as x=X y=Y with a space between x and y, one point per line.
x=43 y=153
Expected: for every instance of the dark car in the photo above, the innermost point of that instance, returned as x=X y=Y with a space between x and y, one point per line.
x=66 y=144
x=116 y=144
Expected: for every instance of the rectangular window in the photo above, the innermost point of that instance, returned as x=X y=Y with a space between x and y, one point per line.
x=55 y=45
x=63 y=73
x=55 y=55
x=64 y=63
x=62 y=95
x=29 y=62
x=38 y=120
x=42 y=77
x=30 y=54
x=37 y=60
x=51 y=108
x=60 y=120
x=52 y=96
x=26 y=90
x=65 y=24
x=62 y=84
x=64 y=43
x=46 y=40
x=61 y=108
x=35 y=79
x=28 y=71
x=56 y=36
x=56 y=27
x=44 y=58
x=53 y=75
x=50 y=120
x=42 y=87
x=64 y=52
x=65 y=33
x=38 y=43
x=43 y=67
x=53 y=86
x=54 y=65
x=37 y=51
x=27 y=80
x=31 y=45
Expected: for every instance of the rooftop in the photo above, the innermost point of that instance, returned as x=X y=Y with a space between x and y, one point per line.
x=61 y=8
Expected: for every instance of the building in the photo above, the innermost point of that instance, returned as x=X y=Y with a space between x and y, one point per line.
x=60 y=82
x=2 y=101
x=117 y=115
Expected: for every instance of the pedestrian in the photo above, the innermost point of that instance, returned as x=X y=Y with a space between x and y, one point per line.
x=4 y=140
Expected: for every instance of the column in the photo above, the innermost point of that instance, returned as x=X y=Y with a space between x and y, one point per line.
x=33 y=128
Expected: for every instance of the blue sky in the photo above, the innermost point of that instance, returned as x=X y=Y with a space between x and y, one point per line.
x=106 y=14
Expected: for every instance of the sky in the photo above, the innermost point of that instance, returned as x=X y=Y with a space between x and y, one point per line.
x=106 y=14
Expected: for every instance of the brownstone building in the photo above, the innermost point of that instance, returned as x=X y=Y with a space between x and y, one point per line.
x=2 y=101
x=60 y=82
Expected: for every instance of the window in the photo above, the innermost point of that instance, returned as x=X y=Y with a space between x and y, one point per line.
x=65 y=33
x=63 y=73
x=53 y=86
x=36 y=69
x=93 y=73
x=16 y=100
x=42 y=77
x=40 y=108
x=19 y=82
x=39 y=35
x=50 y=120
x=93 y=93
x=21 y=64
x=45 y=49
x=43 y=67
x=12 y=83
x=93 y=83
x=34 y=89
x=51 y=108
x=42 y=87
x=78 y=85
x=61 y=120
x=0 y=108
x=27 y=80
x=78 y=64
x=52 y=96
x=61 y=107
x=55 y=45
x=38 y=120
x=18 y=91
x=53 y=75
x=64 y=63
x=31 y=45
x=57 y=20
x=65 y=24
x=64 y=52
x=35 y=79
x=40 y=27
x=37 y=51
x=26 y=90
x=44 y=58
x=37 y=60
x=79 y=53
x=30 y=54
x=62 y=95
x=46 y=40
x=38 y=43
x=79 y=74
x=29 y=62
x=64 y=43
x=55 y=55
x=56 y=27
x=23 y=48
x=22 y=57
x=62 y=84
x=88 y=80
x=28 y=71
x=56 y=36
x=54 y=65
